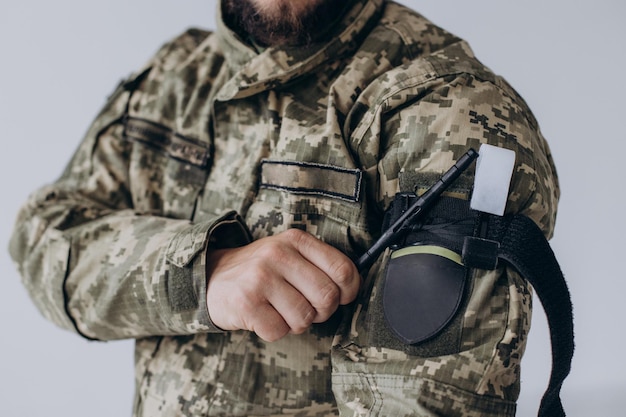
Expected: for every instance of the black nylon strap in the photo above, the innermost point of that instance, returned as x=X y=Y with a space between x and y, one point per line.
x=517 y=240
x=523 y=245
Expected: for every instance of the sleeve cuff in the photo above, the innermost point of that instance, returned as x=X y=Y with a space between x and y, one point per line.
x=187 y=281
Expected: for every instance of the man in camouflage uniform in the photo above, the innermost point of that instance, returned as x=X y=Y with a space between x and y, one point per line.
x=214 y=205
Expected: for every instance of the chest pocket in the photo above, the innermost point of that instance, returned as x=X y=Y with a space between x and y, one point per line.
x=321 y=199
x=167 y=170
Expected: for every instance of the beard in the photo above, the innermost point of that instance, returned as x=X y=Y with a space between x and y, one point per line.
x=280 y=22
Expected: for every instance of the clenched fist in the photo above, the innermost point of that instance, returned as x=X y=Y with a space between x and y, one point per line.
x=279 y=284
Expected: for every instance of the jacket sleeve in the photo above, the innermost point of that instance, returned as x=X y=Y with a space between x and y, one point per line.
x=438 y=121
x=410 y=134
x=93 y=263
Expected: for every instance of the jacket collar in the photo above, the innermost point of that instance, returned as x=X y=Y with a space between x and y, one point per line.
x=254 y=71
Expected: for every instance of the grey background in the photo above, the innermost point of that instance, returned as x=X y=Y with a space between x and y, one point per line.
x=59 y=59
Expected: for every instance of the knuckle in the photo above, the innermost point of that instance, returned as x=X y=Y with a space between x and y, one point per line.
x=261 y=278
x=300 y=316
x=342 y=273
x=294 y=234
x=272 y=251
x=305 y=320
x=268 y=249
x=329 y=297
x=297 y=237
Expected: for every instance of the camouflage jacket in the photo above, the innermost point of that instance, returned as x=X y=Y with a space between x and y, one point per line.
x=215 y=143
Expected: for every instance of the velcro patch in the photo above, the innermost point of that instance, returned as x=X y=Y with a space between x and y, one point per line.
x=310 y=178
x=180 y=290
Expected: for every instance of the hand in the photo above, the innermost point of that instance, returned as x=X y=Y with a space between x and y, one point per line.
x=279 y=284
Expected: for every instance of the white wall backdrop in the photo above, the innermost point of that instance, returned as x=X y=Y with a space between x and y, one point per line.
x=59 y=59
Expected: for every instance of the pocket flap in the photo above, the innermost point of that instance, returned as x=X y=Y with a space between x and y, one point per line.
x=423 y=289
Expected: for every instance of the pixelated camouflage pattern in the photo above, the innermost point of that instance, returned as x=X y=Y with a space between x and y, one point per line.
x=115 y=248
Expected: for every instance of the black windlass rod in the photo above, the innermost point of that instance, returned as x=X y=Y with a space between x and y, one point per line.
x=409 y=217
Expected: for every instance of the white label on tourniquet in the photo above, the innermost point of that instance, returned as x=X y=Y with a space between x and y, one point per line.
x=494 y=169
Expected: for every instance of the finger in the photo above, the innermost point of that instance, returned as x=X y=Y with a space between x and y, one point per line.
x=321 y=292
x=268 y=323
x=294 y=308
x=332 y=262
